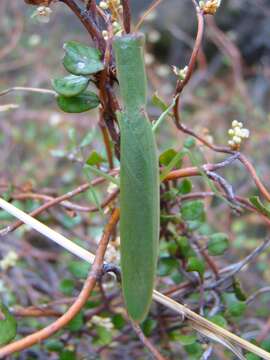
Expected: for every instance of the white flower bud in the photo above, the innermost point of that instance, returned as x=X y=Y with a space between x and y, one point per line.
x=231 y=132
x=234 y=123
x=104 y=5
x=42 y=14
x=245 y=133
x=237 y=140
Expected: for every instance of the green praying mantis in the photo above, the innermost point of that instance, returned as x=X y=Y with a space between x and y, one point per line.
x=139 y=179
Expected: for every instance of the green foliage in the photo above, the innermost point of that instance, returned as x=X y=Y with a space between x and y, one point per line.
x=8 y=325
x=218 y=243
x=77 y=104
x=54 y=345
x=66 y=286
x=219 y=320
x=196 y=264
x=148 y=326
x=255 y=200
x=70 y=85
x=118 y=321
x=104 y=336
x=81 y=59
x=185 y=187
x=76 y=323
x=238 y=291
x=95 y=159
x=234 y=307
x=193 y=213
x=79 y=269
x=67 y=355
x=167 y=265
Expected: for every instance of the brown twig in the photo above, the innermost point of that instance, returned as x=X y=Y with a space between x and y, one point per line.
x=82 y=298
x=87 y=21
x=147 y=343
x=55 y=201
x=126 y=16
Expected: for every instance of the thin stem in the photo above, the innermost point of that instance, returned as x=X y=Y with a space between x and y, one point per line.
x=146 y=342
x=28 y=89
x=126 y=16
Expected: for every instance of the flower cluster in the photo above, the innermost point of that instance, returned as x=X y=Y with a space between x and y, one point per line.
x=42 y=14
x=115 y=8
x=9 y=260
x=181 y=73
x=112 y=5
x=209 y=6
x=237 y=133
x=102 y=321
x=112 y=254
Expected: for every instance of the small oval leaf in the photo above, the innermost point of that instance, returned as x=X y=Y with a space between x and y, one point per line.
x=78 y=104
x=81 y=59
x=218 y=244
x=71 y=85
x=8 y=326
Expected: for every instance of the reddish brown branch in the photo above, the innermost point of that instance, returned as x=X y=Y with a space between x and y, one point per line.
x=89 y=284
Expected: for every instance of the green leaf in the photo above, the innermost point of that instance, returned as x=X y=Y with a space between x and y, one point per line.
x=118 y=321
x=265 y=344
x=8 y=326
x=184 y=246
x=166 y=157
x=148 y=326
x=67 y=286
x=218 y=320
x=95 y=159
x=166 y=265
x=71 y=85
x=183 y=339
x=171 y=159
x=189 y=143
x=185 y=187
x=81 y=59
x=196 y=264
x=79 y=269
x=104 y=336
x=67 y=355
x=251 y=356
x=78 y=104
x=255 y=200
x=238 y=291
x=194 y=349
x=54 y=345
x=237 y=308
x=76 y=323
x=159 y=102
x=192 y=210
x=218 y=244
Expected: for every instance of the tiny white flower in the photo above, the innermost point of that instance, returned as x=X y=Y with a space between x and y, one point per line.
x=9 y=260
x=42 y=14
x=105 y=34
x=231 y=132
x=237 y=140
x=245 y=133
x=153 y=36
x=104 y=5
x=234 y=123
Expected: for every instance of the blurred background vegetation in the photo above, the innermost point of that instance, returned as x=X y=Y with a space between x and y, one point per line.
x=39 y=143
